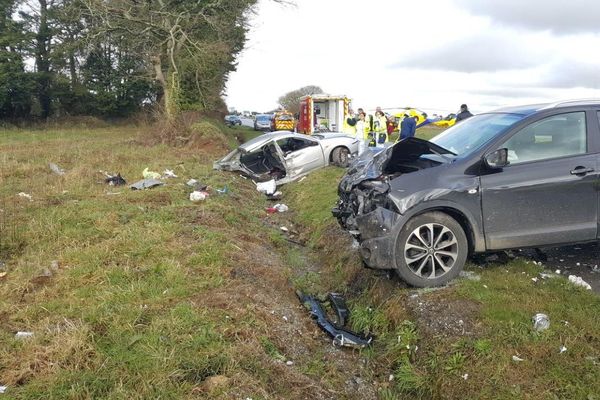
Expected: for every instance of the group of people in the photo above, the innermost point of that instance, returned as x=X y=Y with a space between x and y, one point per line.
x=375 y=130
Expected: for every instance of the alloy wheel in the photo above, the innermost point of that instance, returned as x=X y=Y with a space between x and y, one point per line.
x=431 y=251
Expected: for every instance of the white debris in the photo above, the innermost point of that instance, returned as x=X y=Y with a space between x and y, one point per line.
x=284 y=229
x=150 y=174
x=197 y=196
x=168 y=173
x=517 y=359
x=192 y=182
x=562 y=349
x=391 y=377
x=485 y=286
x=285 y=318
x=557 y=272
x=281 y=207
x=289 y=363
x=3 y=389
x=24 y=195
x=465 y=376
x=578 y=264
x=541 y=322
x=578 y=281
x=56 y=169
x=268 y=187
x=534 y=280
x=23 y=335
x=303 y=178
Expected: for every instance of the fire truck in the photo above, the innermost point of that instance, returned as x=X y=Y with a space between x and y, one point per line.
x=322 y=113
x=283 y=121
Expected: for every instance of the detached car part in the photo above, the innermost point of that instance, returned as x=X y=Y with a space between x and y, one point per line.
x=340 y=335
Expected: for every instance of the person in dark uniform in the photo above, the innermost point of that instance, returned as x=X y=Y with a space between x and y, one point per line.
x=464 y=113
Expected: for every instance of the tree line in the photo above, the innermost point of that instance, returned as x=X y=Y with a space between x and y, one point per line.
x=114 y=58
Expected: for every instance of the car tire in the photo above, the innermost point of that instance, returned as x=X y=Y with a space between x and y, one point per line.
x=431 y=243
x=341 y=157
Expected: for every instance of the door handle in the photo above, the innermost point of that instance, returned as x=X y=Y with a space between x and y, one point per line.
x=581 y=171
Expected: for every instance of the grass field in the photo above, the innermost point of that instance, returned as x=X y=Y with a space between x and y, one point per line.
x=143 y=294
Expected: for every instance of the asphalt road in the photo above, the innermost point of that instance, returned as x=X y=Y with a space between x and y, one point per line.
x=247 y=122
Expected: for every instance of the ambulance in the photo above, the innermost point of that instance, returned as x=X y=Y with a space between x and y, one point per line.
x=322 y=113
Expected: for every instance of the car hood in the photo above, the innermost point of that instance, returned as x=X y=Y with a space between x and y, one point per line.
x=371 y=164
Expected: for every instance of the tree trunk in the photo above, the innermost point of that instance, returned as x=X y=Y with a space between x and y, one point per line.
x=169 y=89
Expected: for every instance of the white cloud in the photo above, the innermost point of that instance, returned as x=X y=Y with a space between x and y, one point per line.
x=443 y=56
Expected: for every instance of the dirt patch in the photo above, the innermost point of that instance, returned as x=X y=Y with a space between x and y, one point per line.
x=441 y=315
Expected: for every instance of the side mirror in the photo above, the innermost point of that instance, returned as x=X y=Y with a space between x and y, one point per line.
x=497 y=159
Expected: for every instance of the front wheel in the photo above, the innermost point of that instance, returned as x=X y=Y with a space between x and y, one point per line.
x=431 y=250
x=340 y=157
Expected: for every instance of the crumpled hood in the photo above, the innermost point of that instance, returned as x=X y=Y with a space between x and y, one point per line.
x=371 y=164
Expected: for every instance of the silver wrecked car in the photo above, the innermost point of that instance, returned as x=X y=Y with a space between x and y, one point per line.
x=286 y=156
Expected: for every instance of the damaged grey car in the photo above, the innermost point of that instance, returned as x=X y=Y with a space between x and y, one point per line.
x=517 y=177
x=287 y=156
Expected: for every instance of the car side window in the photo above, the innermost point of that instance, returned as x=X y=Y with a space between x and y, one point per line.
x=553 y=137
x=291 y=144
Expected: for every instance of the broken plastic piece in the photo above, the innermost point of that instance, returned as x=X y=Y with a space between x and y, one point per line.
x=3 y=389
x=23 y=335
x=281 y=207
x=146 y=184
x=517 y=359
x=25 y=196
x=225 y=190
x=197 y=196
x=562 y=349
x=56 y=169
x=115 y=180
x=284 y=229
x=150 y=174
x=196 y=184
x=275 y=196
x=168 y=173
x=578 y=281
x=267 y=188
x=341 y=336
x=541 y=322
x=340 y=308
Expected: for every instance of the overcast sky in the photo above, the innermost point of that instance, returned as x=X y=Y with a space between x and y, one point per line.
x=431 y=54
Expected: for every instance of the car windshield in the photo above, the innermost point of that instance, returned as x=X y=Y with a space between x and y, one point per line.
x=469 y=135
x=263 y=118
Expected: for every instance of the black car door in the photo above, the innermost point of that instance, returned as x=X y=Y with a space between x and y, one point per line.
x=549 y=192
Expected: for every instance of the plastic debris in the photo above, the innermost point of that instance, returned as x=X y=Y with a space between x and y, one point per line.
x=56 y=169
x=3 y=274
x=275 y=196
x=23 y=335
x=557 y=272
x=150 y=174
x=196 y=184
x=391 y=377
x=3 y=389
x=562 y=349
x=465 y=376
x=271 y=210
x=24 y=195
x=578 y=281
x=197 y=196
x=281 y=207
x=146 y=184
x=225 y=190
x=284 y=229
x=289 y=363
x=303 y=178
x=268 y=188
x=517 y=359
x=115 y=180
x=541 y=322
x=168 y=173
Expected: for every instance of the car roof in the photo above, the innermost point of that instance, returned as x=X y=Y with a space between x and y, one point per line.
x=532 y=108
x=265 y=137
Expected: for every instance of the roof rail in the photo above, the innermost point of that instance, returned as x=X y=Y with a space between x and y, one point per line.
x=575 y=102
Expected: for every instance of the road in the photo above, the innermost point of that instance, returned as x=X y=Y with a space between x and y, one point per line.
x=247 y=122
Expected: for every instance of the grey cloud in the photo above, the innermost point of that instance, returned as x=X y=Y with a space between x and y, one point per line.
x=574 y=16
x=483 y=53
x=568 y=74
x=511 y=92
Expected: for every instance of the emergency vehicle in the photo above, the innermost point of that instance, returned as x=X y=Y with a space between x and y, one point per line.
x=283 y=121
x=322 y=113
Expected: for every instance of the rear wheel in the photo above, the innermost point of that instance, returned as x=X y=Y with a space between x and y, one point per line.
x=340 y=157
x=431 y=250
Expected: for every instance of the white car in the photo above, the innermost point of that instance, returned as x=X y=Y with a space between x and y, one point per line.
x=287 y=156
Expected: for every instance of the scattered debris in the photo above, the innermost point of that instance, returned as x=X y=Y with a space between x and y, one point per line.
x=534 y=280
x=146 y=184
x=338 y=303
x=289 y=363
x=196 y=184
x=3 y=274
x=562 y=349
x=465 y=376
x=267 y=188
x=541 y=322
x=275 y=196
x=197 y=196
x=341 y=336
x=168 y=174
x=303 y=178
x=277 y=208
x=3 y=389
x=225 y=190
x=578 y=281
x=23 y=335
x=284 y=229
x=150 y=174
x=517 y=359
x=56 y=169
x=25 y=196
x=115 y=180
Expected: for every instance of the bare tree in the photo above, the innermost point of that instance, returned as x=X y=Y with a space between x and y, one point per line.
x=290 y=101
